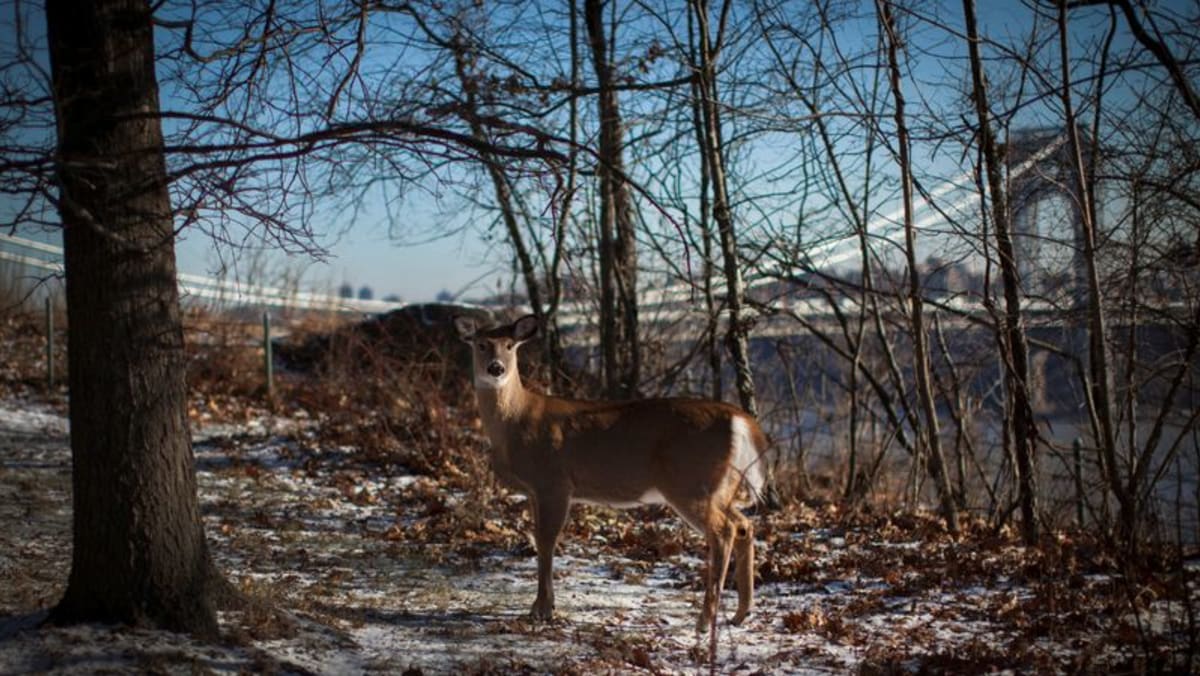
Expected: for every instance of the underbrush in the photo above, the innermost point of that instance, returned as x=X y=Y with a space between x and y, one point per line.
x=397 y=408
x=23 y=368
x=373 y=410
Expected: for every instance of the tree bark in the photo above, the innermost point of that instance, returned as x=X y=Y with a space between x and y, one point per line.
x=559 y=378
x=618 y=249
x=1013 y=343
x=140 y=555
x=723 y=214
x=506 y=201
x=737 y=335
x=712 y=312
x=1101 y=377
x=936 y=458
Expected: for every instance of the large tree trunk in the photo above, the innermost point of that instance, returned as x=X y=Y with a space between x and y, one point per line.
x=618 y=249
x=921 y=367
x=1013 y=343
x=140 y=555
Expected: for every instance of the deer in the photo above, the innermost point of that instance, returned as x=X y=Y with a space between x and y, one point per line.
x=704 y=459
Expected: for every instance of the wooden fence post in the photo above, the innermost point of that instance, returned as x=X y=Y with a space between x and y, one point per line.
x=49 y=342
x=1077 y=450
x=268 y=366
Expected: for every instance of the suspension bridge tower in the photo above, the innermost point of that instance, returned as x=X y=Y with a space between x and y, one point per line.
x=1047 y=215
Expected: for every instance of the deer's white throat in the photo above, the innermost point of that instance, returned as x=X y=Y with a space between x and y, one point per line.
x=489 y=382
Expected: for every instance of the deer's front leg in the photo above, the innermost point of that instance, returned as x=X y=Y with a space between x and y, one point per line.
x=549 y=514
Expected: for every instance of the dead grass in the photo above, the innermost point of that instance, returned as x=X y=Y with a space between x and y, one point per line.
x=224 y=358
x=23 y=356
x=374 y=412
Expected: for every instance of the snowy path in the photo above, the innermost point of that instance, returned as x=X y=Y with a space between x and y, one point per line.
x=373 y=586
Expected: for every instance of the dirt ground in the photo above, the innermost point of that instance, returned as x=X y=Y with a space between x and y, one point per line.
x=376 y=569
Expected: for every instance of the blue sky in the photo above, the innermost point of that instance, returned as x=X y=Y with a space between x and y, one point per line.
x=366 y=255
x=362 y=251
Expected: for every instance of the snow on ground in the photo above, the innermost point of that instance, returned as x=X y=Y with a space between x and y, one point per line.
x=32 y=418
x=377 y=573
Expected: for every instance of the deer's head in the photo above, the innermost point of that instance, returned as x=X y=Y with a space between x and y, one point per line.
x=495 y=349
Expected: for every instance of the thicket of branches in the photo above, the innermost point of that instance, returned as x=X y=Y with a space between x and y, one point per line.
x=712 y=185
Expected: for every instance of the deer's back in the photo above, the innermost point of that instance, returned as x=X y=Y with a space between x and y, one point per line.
x=623 y=453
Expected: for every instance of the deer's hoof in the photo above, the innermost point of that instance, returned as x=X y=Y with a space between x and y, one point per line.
x=541 y=612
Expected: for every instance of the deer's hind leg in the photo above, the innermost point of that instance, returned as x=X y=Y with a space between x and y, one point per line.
x=743 y=546
x=714 y=515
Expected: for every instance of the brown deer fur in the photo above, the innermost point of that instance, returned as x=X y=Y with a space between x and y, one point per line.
x=700 y=457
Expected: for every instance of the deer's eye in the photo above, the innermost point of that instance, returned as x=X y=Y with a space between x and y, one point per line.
x=482 y=346
x=508 y=344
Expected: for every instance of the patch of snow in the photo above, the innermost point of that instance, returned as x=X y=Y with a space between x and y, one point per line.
x=29 y=418
x=308 y=529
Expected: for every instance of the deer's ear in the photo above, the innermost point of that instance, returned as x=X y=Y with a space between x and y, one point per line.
x=525 y=328
x=465 y=326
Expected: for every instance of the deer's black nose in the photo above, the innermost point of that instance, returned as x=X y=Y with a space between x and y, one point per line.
x=495 y=369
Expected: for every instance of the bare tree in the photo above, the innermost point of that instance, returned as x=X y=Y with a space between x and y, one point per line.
x=1013 y=344
x=139 y=554
x=1126 y=264
x=1101 y=384
x=714 y=164
x=703 y=221
x=920 y=337
x=618 y=248
x=513 y=215
x=1148 y=35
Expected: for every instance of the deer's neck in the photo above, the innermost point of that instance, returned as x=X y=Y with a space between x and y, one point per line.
x=503 y=405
